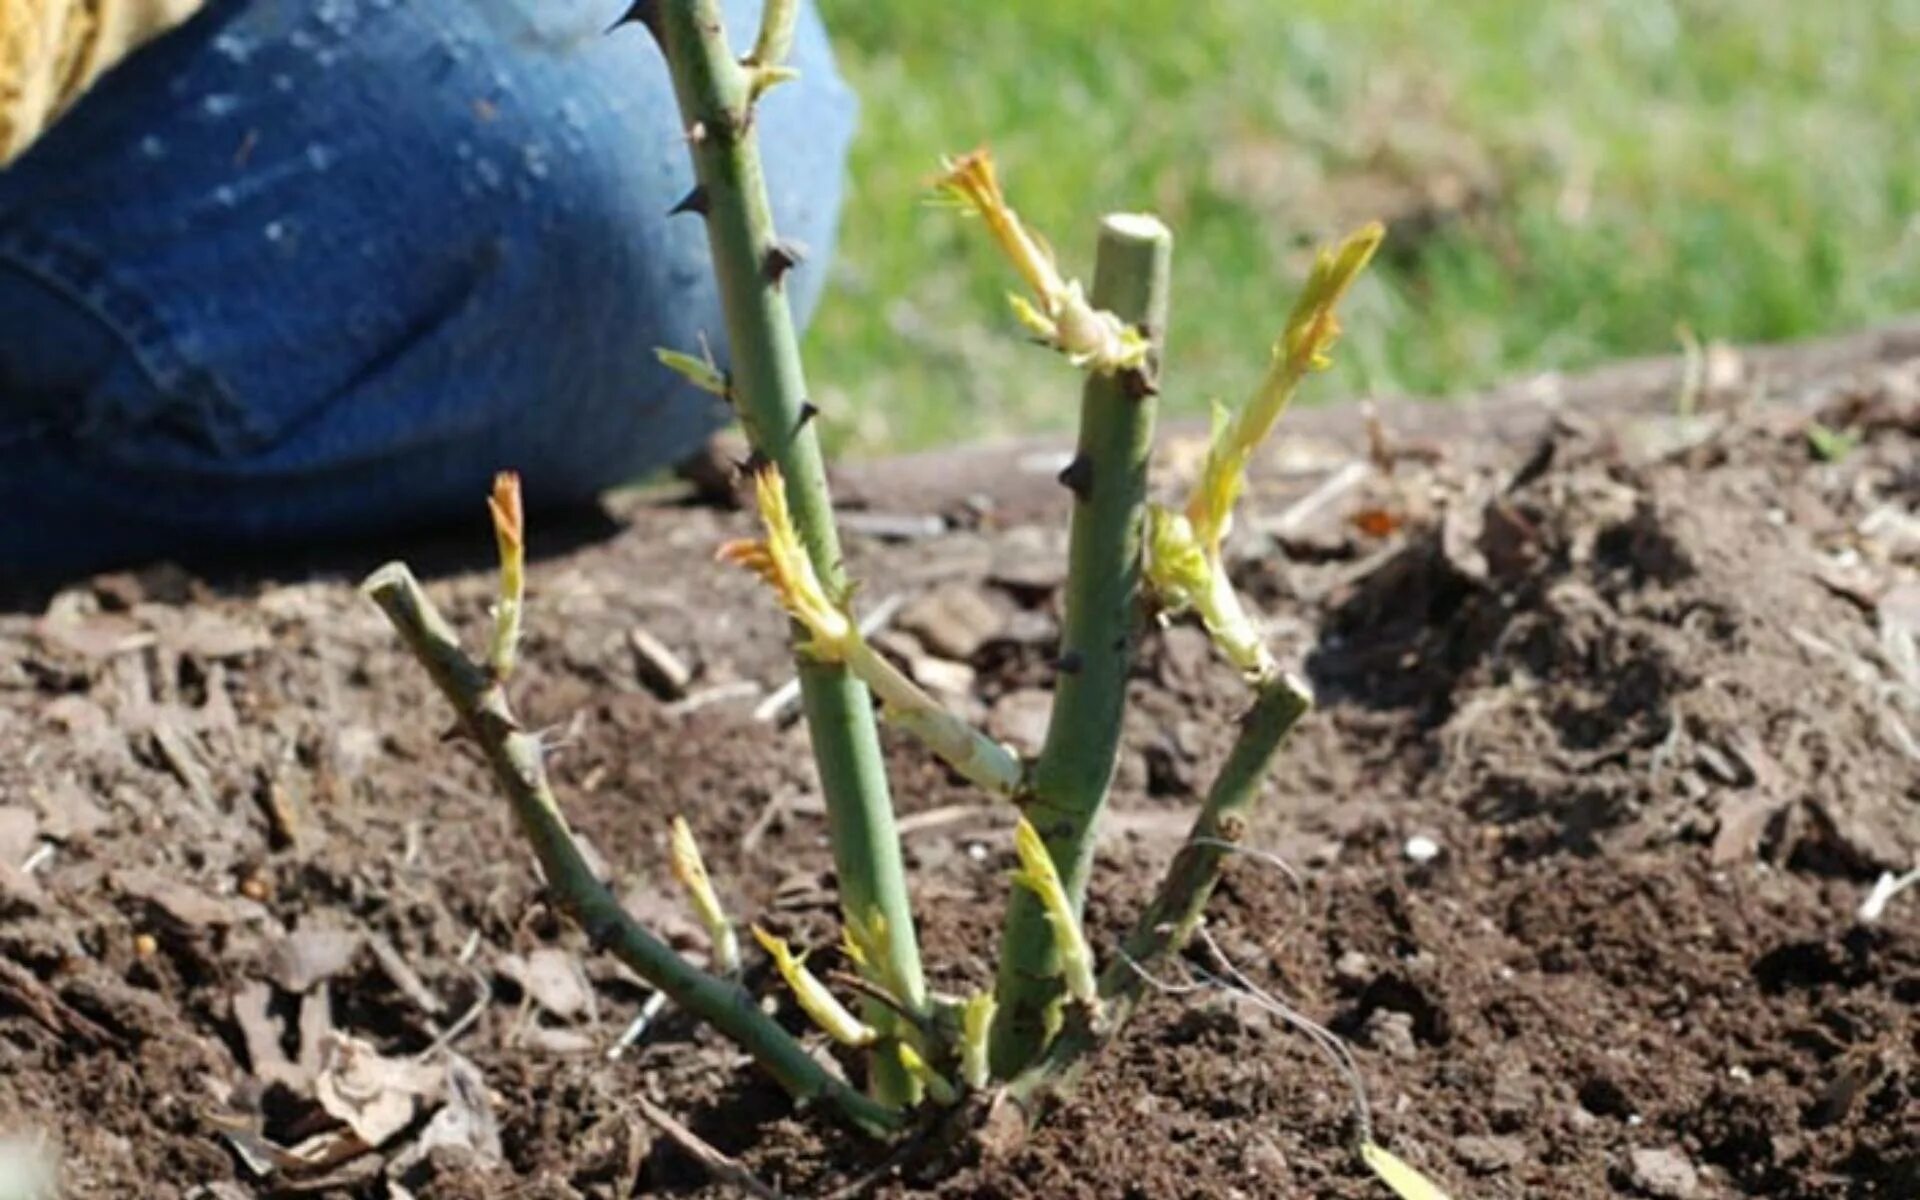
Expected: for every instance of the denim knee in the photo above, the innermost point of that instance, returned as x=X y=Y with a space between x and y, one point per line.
x=308 y=269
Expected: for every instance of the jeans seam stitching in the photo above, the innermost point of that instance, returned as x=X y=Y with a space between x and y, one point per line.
x=128 y=316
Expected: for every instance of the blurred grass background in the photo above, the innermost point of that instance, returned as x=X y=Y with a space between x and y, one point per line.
x=1564 y=183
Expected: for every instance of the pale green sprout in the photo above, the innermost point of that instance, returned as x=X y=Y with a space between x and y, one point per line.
x=1039 y=875
x=938 y=1089
x=976 y=1029
x=1184 y=560
x=834 y=637
x=510 y=536
x=702 y=372
x=865 y=945
x=1407 y=1183
x=1185 y=577
x=691 y=870
x=765 y=63
x=815 y=1000
x=1059 y=314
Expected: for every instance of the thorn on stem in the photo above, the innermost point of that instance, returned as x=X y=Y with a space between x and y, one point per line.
x=1140 y=384
x=1070 y=663
x=783 y=256
x=808 y=411
x=754 y=463
x=640 y=12
x=1077 y=476
x=695 y=201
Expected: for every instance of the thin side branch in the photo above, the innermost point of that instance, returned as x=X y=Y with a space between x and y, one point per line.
x=1071 y=778
x=716 y=95
x=1170 y=919
x=481 y=705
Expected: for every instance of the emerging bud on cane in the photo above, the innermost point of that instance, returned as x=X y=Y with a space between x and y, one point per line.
x=691 y=870
x=976 y=1029
x=1058 y=312
x=938 y=1089
x=1038 y=875
x=510 y=537
x=765 y=63
x=814 y=998
x=702 y=372
x=782 y=561
x=1184 y=562
x=1183 y=576
x=865 y=943
x=1314 y=326
x=1302 y=347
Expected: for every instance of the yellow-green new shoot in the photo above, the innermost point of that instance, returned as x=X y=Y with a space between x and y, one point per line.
x=691 y=870
x=702 y=373
x=976 y=1026
x=766 y=62
x=1303 y=347
x=1184 y=560
x=782 y=562
x=1059 y=313
x=1407 y=1183
x=938 y=1089
x=1185 y=577
x=510 y=536
x=833 y=636
x=1038 y=875
x=865 y=945
x=815 y=1000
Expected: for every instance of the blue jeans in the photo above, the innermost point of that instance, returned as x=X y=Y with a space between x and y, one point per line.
x=311 y=269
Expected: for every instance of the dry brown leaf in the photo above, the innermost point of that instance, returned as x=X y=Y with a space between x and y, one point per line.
x=553 y=979
x=374 y=1096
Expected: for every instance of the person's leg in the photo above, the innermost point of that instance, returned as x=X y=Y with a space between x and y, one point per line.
x=305 y=269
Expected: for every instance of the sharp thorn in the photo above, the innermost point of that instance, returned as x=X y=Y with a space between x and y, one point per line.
x=640 y=12
x=695 y=201
x=1077 y=477
x=1069 y=663
x=808 y=411
x=783 y=256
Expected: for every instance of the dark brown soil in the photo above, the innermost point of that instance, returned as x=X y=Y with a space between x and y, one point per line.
x=1647 y=686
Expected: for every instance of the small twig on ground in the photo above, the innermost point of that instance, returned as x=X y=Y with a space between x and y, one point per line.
x=23 y=990
x=1295 y=516
x=771 y=811
x=723 y=1169
x=404 y=977
x=1884 y=890
x=719 y=693
x=466 y=1020
x=953 y=814
x=39 y=858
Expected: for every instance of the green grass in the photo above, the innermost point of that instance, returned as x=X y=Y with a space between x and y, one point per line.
x=1565 y=183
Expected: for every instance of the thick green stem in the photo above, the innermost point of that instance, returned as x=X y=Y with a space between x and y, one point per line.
x=1108 y=477
x=1181 y=899
x=480 y=702
x=715 y=93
